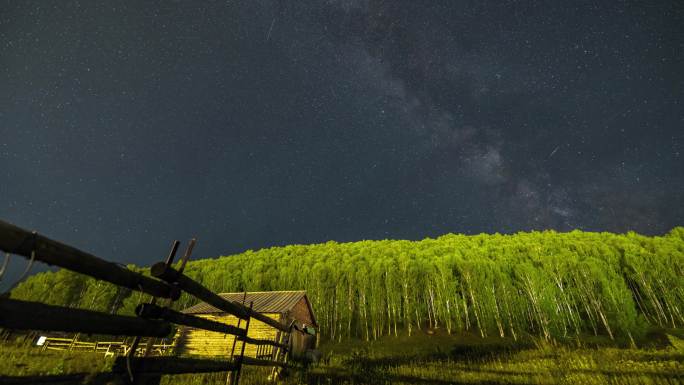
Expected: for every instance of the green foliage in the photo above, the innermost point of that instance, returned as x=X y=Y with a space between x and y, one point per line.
x=557 y=286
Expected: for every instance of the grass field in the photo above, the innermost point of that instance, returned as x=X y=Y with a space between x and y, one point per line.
x=419 y=359
x=471 y=360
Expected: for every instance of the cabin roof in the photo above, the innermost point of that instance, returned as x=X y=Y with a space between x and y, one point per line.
x=264 y=302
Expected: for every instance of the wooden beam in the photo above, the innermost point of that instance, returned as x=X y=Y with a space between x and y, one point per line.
x=16 y=240
x=23 y=315
x=148 y=310
x=255 y=341
x=258 y=362
x=268 y=321
x=170 y=275
x=242 y=348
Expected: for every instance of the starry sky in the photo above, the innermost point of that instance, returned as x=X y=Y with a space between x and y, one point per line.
x=254 y=123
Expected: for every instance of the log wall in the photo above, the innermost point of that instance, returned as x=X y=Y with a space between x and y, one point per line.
x=198 y=342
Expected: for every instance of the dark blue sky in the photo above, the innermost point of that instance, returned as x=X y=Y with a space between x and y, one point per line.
x=125 y=125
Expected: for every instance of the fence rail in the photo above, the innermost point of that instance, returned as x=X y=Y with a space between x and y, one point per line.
x=148 y=310
x=24 y=315
x=105 y=347
x=32 y=245
x=152 y=319
x=187 y=284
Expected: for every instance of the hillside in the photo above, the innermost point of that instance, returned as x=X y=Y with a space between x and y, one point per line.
x=548 y=284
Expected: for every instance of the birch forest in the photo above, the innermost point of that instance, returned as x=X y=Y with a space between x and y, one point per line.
x=552 y=285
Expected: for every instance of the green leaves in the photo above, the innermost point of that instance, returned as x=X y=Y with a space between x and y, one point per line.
x=552 y=285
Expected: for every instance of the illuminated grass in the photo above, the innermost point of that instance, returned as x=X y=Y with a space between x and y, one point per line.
x=419 y=359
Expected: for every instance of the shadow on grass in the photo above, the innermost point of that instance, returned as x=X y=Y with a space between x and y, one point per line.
x=60 y=379
x=335 y=377
x=466 y=353
x=56 y=379
x=341 y=377
x=79 y=378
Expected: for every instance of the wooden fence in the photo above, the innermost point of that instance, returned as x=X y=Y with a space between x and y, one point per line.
x=108 y=348
x=154 y=319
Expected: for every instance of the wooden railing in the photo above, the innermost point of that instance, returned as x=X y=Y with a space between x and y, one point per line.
x=108 y=348
x=154 y=320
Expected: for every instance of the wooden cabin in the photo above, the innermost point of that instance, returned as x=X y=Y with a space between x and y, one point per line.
x=283 y=306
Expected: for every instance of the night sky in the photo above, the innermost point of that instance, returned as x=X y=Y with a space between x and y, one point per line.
x=249 y=124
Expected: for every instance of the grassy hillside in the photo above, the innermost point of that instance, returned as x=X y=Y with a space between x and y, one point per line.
x=420 y=359
x=556 y=286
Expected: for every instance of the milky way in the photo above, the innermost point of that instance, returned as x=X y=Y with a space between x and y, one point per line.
x=256 y=123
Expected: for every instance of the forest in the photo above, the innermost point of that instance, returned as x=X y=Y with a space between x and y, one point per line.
x=555 y=286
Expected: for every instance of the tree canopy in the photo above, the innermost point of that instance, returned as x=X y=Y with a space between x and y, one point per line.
x=554 y=285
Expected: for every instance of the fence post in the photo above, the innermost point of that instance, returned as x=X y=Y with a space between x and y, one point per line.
x=231 y=376
x=73 y=341
x=136 y=340
x=284 y=339
x=242 y=351
x=169 y=261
